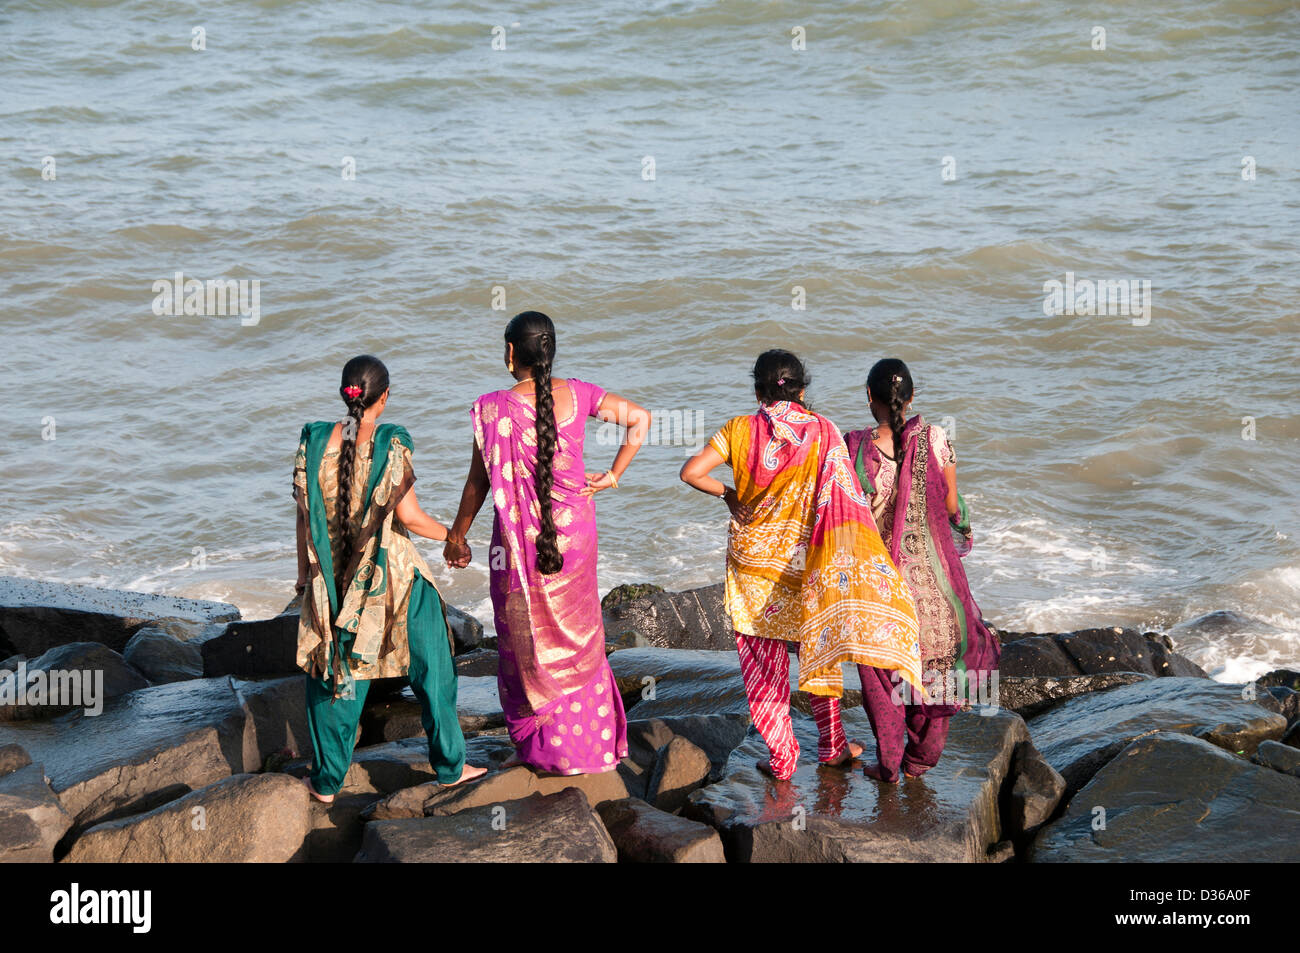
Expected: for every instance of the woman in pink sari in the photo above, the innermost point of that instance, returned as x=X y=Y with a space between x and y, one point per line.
x=562 y=708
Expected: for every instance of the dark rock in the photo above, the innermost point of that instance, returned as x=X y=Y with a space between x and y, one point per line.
x=337 y=827
x=694 y=619
x=628 y=592
x=1036 y=792
x=269 y=647
x=1032 y=695
x=36 y=616
x=477 y=704
x=13 y=757
x=477 y=663
x=1282 y=677
x=247 y=818
x=679 y=769
x=1279 y=757
x=1292 y=737
x=1101 y=651
x=680 y=682
x=1038 y=655
x=830 y=814
x=646 y=835
x=1284 y=701
x=147 y=748
x=1080 y=735
x=162 y=658
x=1003 y=852
x=76 y=675
x=1168 y=663
x=260 y=649
x=715 y=735
x=1206 y=804
x=278 y=707
x=538 y=828
x=31 y=819
x=466 y=631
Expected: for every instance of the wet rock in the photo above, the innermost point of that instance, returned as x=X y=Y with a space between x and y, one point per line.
x=646 y=835
x=399 y=771
x=479 y=662
x=1032 y=695
x=538 y=828
x=1279 y=757
x=262 y=648
x=715 y=735
x=832 y=814
x=337 y=828
x=628 y=592
x=75 y=675
x=1036 y=792
x=32 y=821
x=466 y=631
x=247 y=818
x=1207 y=805
x=1036 y=655
x=1281 y=700
x=679 y=769
x=1100 y=651
x=148 y=747
x=1292 y=737
x=36 y=616
x=1280 y=677
x=162 y=658
x=694 y=619
x=478 y=706
x=666 y=682
x=278 y=707
x=13 y=757
x=1080 y=735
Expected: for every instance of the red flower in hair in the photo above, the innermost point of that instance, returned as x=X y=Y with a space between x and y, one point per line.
x=352 y=391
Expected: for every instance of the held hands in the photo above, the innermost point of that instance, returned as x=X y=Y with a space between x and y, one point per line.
x=456 y=553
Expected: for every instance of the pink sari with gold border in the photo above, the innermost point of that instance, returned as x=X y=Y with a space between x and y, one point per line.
x=561 y=704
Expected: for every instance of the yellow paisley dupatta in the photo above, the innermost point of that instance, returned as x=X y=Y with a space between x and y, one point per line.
x=855 y=607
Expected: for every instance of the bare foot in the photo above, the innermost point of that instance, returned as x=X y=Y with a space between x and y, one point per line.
x=766 y=768
x=874 y=770
x=470 y=772
x=322 y=798
x=848 y=756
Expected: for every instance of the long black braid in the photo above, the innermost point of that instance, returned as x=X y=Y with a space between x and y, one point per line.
x=365 y=379
x=891 y=383
x=533 y=337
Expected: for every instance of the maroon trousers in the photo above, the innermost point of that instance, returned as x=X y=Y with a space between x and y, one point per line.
x=909 y=738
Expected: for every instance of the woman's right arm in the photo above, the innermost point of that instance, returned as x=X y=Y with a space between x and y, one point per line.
x=457 y=551
x=695 y=472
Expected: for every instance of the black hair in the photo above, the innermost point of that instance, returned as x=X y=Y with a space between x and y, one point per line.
x=779 y=375
x=369 y=377
x=890 y=382
x=533 y=337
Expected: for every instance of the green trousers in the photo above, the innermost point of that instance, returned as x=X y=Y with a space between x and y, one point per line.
x=333 y=723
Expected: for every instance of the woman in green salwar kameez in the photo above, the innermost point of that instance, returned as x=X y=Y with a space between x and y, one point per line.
x=370 y=608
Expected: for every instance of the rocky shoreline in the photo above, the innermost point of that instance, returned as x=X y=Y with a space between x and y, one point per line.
x=1106 y=745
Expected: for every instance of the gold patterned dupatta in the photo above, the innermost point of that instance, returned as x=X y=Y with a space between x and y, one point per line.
x=359 y=633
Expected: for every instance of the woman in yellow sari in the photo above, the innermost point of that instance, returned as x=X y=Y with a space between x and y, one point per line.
x=805 y=564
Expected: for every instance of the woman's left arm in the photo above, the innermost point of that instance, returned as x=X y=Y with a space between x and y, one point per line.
x=635 y=419
x=416 y=520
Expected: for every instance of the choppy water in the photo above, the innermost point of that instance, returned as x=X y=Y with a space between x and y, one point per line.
x=1104 y=461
